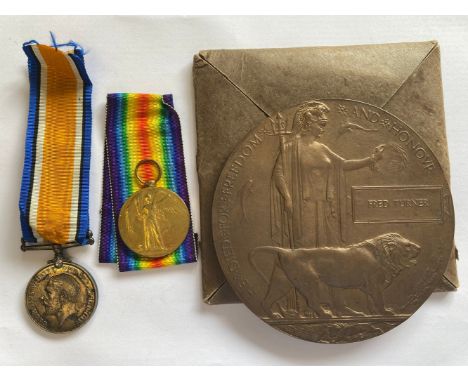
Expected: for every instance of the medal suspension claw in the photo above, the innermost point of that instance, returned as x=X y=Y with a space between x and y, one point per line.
x=58 y=256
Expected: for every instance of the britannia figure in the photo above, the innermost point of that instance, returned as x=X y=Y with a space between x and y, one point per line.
x=307 y=187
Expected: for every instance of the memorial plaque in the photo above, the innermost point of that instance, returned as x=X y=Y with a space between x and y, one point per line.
x=333 y=221
x=236 y=89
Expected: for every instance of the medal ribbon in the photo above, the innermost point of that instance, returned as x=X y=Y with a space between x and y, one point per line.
x=55 y=185
x=140 y=126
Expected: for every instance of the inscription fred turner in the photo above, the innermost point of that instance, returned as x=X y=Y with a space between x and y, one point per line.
x=386 y=204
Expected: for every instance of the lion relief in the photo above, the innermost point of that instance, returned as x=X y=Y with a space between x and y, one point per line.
x=369 y=266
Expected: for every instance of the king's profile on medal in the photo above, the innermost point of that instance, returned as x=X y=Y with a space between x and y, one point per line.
x=62 y=298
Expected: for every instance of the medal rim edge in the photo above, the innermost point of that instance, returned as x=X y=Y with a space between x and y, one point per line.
x=186 y=230
x=225 y=169
x=96 y=297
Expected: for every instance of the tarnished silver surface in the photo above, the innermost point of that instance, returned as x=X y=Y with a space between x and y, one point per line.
x=333 y=221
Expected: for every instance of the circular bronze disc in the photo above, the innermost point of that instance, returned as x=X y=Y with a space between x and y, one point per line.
x=333 y=221
x=61 y=299
x=154 y=222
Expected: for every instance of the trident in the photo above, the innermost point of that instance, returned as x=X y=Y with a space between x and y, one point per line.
x=279 y=127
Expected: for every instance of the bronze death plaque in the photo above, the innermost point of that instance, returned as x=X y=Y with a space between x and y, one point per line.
x=333 y=221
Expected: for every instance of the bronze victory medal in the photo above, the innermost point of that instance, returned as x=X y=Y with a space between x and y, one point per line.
x=333 y=221
x=154 y=222
x=61 y=299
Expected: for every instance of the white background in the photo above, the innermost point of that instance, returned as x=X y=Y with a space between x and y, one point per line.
x=157 y=317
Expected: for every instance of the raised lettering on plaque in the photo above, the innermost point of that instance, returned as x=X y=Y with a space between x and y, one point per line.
x=332 y=220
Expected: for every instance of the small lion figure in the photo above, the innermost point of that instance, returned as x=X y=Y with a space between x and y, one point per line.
x=369 y=266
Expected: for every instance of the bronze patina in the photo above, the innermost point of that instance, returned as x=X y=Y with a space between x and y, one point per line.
x=61 y=297
x=333 y=221
x=236 y=89
x=154 y=221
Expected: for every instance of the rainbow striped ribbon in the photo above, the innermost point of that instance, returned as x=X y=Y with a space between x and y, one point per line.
x=140 y=126
x=55 y=185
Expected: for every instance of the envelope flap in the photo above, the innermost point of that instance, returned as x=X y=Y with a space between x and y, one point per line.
x=247 y=85
x=214 y=93
x=419 y=102
x=275 y=79
x=223 y=294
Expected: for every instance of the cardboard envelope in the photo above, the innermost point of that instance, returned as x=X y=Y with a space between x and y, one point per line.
x=236 y=89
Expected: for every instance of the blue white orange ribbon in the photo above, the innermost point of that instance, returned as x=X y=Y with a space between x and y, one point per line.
x=138 y=127
x=55 y=185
